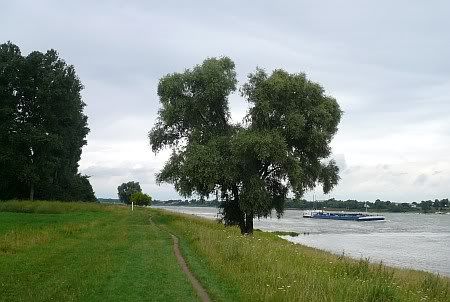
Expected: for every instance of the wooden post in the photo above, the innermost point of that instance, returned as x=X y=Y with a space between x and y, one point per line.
x=132 y=206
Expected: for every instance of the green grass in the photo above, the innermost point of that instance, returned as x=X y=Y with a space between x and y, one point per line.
x=86 y=252
x=91 y=252
x=51 y=207
x=264 y=267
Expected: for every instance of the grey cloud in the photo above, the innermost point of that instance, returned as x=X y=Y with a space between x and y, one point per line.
x=340 y=161
x=421 y=179
x=105 y=179
x=126 y=170
x=385 y=62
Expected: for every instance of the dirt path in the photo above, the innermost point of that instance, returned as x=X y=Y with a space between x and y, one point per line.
x=201 y=292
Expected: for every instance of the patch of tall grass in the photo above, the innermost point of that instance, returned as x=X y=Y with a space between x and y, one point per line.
x=24 y=237
x=264 y=267
x=49 y=207
x=14 y=241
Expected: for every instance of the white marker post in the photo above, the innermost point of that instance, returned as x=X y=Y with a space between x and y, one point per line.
x=132 y=206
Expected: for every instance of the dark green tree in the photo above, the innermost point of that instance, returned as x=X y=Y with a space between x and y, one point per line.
x=11 y=63
x=125 y=191
x=426 y=205
x=282 y=145
x=43 y=127
x=444 y=203
x=437 y=204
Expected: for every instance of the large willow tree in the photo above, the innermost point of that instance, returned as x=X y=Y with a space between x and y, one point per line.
x=42 y=127
x=282 y=146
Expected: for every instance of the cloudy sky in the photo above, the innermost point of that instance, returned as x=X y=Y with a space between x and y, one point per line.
x=386 y=62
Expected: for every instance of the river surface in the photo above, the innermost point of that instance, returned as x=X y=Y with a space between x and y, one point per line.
x=411 y=240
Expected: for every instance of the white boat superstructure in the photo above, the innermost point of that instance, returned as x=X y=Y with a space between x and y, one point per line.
x=370 y=217
x=311 y=213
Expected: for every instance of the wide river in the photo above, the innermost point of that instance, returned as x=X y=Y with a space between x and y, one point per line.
x=419 y=241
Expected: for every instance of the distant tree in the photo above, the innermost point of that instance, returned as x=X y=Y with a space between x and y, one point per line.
x=281 y=147
x=42 y=126
x=125 y=191
x=378 y=204
x=426 y=205
x=437 y=204
x=140 y=199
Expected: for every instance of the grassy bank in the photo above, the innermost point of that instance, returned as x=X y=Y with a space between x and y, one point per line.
x=264 y=267
x=85 y=252
x=91 y=252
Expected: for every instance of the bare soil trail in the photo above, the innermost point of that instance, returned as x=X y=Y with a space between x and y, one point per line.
x=201 y=292
x=199 y=289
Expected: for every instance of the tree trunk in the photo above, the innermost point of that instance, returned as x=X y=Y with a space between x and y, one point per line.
x=32 y=191
x=249 y=223
x=238 y=215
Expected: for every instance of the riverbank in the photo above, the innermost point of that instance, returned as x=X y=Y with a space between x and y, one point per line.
x=264 y=267
x=402 y=240
x=89 y=252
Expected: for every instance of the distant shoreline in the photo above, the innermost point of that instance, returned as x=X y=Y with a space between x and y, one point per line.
x=305 y=209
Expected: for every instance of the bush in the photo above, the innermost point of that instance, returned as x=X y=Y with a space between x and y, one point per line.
x=141 y=199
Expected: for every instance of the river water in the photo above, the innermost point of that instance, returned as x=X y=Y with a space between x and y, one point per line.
x=411 y=240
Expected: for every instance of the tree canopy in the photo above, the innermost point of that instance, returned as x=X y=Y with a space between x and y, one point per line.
x=282 y=146
x=126 y=190
x=42 y=127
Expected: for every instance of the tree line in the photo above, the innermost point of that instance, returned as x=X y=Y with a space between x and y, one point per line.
x=426 y=206
x=42 y=127
x=377 y=205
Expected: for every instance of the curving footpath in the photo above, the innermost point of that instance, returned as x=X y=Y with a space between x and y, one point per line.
x=201 y=292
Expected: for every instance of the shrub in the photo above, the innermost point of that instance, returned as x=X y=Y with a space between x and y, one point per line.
x=141 y=199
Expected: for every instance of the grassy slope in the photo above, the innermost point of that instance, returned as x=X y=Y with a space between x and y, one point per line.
x=82 y=252
x=86 y=252
x=266 y=268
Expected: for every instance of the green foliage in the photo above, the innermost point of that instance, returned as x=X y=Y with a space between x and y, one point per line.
x=282 y=146
x=42 y=127
x=81 y=189
x=125 y=191
x=141 y=199
x=194 y=104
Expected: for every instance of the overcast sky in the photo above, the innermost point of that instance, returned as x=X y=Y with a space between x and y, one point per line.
x=386 y=62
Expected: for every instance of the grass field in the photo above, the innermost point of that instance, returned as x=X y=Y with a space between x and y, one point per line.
x=86 y=252
x=90 y=252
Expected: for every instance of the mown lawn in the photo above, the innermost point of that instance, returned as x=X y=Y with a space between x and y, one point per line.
x=84 y=252
x=264 y=267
